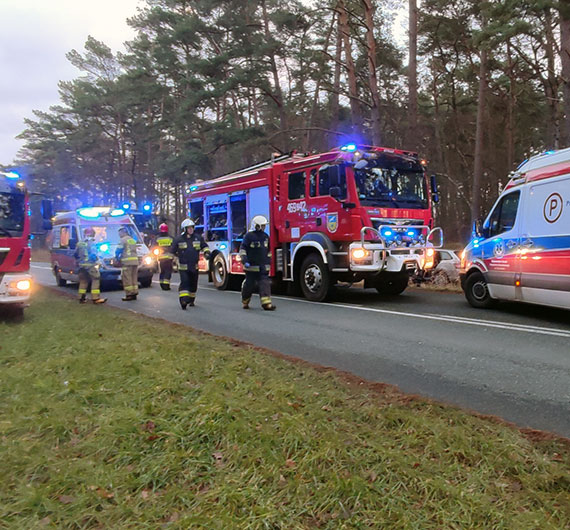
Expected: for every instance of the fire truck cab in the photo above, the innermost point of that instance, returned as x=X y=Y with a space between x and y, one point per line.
x=15 y=279
x=354 y=213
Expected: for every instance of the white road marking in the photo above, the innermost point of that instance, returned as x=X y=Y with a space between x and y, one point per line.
x=442 y=318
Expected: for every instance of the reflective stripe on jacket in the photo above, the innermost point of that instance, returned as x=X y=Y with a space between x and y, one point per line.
x=164 y=243
x=187 y=250
x=254 y=251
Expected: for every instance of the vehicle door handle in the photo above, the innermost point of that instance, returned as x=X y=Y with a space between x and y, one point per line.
x=319 y=221
x=527 y=243
x=511 y=244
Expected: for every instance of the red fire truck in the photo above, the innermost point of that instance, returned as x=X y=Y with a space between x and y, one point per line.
x=354 y=213
x=15 y=279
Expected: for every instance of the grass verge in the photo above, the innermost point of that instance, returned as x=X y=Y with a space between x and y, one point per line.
x=112 y=420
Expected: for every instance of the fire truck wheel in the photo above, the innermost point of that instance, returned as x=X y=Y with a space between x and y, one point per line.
x=220 y=274
x=59 y=280
x=393 y=284
x=314 y=278
x=477 y=292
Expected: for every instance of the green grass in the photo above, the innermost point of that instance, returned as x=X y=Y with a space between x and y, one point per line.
x=111 y=420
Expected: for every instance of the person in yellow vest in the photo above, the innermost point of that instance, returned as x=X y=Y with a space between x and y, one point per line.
x=165 y=258
x=86 y=256
x=127 y=254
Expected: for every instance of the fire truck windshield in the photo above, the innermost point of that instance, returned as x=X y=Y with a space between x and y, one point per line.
x=391 y=187
x=109 y=233
x=12 y=214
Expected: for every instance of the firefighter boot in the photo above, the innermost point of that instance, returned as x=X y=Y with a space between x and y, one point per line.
x=269 y=307
x=82 y=299
x=245 y=304
x=183 y=303
x=99 y=300
x=128 y=298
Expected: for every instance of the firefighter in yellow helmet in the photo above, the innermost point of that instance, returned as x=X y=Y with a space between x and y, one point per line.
x=87 y=262
x=187 y=247
x=256 y=258
x=127 y=254
x=165 y=257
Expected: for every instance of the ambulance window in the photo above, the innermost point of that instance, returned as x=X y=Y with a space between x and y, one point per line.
x=297 y=185
x=64 y=237
x=56 y=234
x=444 y=255
x=330 y=176
x=504 y=215
x=313 y=183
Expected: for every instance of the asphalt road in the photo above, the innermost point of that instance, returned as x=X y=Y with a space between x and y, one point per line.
x=512 y=362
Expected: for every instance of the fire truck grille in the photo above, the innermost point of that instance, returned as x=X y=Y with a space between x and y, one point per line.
x=400 y=252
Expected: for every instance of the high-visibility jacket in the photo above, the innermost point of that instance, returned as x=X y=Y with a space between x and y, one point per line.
x=86 y=254
x=127 y=251
x=255 y=252
x=164 y=243
x=187 y=249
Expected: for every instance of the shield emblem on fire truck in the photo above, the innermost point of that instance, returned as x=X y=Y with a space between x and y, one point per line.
x=332 y=222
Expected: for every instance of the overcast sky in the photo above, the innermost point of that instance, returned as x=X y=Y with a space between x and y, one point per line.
x=34 y=37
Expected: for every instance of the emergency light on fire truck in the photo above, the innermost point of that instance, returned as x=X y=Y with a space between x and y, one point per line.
x=354 y=213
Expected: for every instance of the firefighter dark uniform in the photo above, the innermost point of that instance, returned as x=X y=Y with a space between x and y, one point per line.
x=165 y=259
x=186 y=247
x=86 y=255
x=127 y=253
x=256 y=258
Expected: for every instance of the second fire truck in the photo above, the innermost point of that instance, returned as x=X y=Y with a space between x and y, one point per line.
x=354 y=213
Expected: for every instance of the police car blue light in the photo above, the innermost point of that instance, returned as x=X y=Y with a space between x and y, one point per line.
x=12 y=175
x=147 y=207
x=126 y=206
x=104 y=247
x=349 y=147
x=117 y=212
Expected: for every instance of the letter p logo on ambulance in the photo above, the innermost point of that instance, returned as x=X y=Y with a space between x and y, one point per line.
x=553 y=207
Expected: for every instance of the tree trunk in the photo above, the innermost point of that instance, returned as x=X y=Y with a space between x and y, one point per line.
x=369 y=9
x=552 y=85
x=413 y=78
x=479 y=137
x=510 y=111
x=335 y=105
x=350 y=69
x=565 y=60
x=277 y=85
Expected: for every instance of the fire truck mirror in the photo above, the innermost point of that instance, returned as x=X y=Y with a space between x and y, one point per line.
x=434 y=192
x=47 y=211
x=334 y=192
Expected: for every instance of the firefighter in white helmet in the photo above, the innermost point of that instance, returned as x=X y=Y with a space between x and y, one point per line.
x=256 y=258
x=187 y=247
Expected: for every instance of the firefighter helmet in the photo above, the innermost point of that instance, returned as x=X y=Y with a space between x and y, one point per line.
x=186 y=223
x=259 y=222
x=89 y=232
x=163 y=228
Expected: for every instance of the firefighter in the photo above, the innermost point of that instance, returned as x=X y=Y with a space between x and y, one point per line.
x=127 y=254
x=256 y=258
x=186 y=247
x=87 y=261
x=165 y=258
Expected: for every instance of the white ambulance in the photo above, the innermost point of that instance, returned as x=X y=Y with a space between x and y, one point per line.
x=522 y=250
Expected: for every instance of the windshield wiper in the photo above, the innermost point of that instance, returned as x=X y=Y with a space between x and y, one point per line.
x=4 y=231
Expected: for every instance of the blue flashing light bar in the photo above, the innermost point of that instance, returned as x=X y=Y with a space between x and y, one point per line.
x=147 y=207
x=104 y=247
x=387 y=232
x=12 y=175
x=117 y=212
x=193 y=188
x=223 y=246
x=411 y=233
x=349 y=147
x=91 y=213
x=126 y=206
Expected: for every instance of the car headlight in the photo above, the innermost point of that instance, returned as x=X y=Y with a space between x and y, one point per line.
x=147 y=260
x=359 y=253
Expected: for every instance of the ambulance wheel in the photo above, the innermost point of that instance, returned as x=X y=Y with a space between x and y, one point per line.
x=146 y=282
x=314 y=278
x=393 y=284
x=477 y=291
x=59 y=280
x=220 y=275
